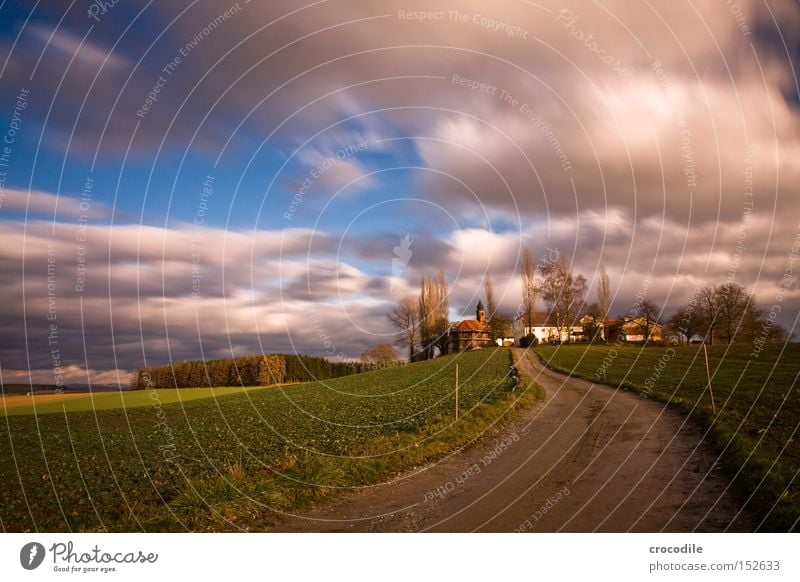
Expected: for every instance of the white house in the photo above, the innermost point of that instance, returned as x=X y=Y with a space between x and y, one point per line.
x=544 y=328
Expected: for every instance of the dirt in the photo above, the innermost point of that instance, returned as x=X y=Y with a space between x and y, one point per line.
x=588 y=458
x=16 y=400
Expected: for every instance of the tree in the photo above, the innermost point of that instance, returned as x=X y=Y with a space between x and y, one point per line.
x=649 y=312
x=434 y=323
x=442 y=319
x=530 y=288
x=405 y=317
x=491 y=305
x=272 y=370
x=686 y=322
x=591 y=323
x=382 y=354
x=737 y=312
x=563 y=291
x=707 y=308
x=726 y=313
x=603 y=295
x=502 y=325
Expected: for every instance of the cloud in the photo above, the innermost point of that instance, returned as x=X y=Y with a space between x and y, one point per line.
x=659 y=140
x=131 y=293
x=52 y=205
x=67 y=46
x=71 y=374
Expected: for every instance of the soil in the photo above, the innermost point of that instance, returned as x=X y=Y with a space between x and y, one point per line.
x=16 y=400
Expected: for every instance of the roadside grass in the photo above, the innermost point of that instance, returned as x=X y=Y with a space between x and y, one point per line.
x=755 y=430
x=51 y=403
x=236 y=463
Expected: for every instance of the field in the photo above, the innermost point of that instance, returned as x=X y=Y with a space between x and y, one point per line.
x=60 y=403
x=758 y=408
x=231 y=463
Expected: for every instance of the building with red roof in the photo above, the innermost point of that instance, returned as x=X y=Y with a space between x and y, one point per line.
x=471 y=334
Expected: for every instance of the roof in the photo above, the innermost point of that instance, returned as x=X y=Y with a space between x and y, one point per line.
x=633 y=324
x=539 y=318
x=480 y=305
x=470 y=325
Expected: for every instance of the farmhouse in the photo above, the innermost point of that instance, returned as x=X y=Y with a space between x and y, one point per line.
x=543 y=326
x=471 y=334
x=633 y=329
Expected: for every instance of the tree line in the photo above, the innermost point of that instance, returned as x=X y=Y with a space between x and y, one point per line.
x=724 y=313
x=244 y=371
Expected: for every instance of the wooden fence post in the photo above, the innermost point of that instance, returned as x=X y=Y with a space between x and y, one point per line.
x=456 y=391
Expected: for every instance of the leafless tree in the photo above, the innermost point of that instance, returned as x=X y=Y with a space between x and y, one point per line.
x=442 y=320
x=433 y=314
x=707 y=302
x=726 y=313
x=405 y=317
x=530 y=288
x=737 y=313
x=649 y=312
x=603 y=294
x=685 y=323
x=491 y=304
x=563 y=291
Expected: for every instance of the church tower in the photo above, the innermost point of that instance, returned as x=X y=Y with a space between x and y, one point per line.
x=480 y=314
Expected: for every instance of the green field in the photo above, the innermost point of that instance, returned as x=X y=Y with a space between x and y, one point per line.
x=127 y=399
x=758 y=408
x=230 y=463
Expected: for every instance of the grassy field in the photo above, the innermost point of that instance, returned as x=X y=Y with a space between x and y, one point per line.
x=755 y=429
x=60 y=403
x=231 y=463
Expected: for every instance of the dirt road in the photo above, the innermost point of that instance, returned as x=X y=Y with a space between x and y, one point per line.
x=589 y=458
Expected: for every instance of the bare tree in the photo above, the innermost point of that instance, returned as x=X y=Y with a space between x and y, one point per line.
x=603 y=295
x=434 y=323
x=530 y=288
x=442 y=319
x=707 y=303
x=591 y=322
x=649 y=312
x=563 y=291
x=736 y=310
x=405 y=317
x=726 y=313
x=426 y=316
x=491 y=304
x=502 y=325
x=685 y=322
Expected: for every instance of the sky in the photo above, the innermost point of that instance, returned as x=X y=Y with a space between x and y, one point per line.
x=185 y=180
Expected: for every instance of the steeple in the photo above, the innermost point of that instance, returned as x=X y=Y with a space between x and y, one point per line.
x=480 y=314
